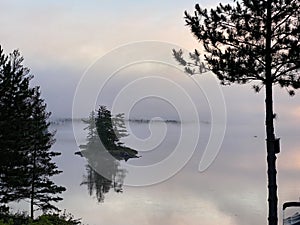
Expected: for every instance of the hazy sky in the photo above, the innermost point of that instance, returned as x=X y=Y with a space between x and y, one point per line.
x=61 y=39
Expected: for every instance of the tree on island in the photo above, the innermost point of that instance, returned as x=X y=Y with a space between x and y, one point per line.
x=251 y=40
x=110 y=129
x=25 y=140
x=104 y=133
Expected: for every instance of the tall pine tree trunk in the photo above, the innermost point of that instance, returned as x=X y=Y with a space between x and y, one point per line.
x=271 y=157
x=32 y=186
x=31 y=202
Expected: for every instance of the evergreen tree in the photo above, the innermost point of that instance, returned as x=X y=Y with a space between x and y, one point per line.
x=15 y=95
x=92 y=129
x=105 y=128
x=43 y=191
x=118 y=122
x=25 y=139
x=110 y=129
x=252 y=40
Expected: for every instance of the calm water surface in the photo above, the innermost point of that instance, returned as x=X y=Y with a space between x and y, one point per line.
x=231 y=191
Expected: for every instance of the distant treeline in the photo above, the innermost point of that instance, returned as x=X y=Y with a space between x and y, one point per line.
x=148 y=121
x=67 y=120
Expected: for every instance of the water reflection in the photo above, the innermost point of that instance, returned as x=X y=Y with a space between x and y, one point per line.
x=231 y=192
x=103 y=152
x=99 y=185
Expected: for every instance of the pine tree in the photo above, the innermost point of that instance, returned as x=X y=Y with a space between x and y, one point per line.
x=43 y=191
x=252 y=40
x=110 y=129
x=25 y=139
x=105 y=128
x=118 y=122
x=15 y=95
x=92 y=129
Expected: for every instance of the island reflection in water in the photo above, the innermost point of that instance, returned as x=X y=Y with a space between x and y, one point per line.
x=232 y=191
x=103 y=152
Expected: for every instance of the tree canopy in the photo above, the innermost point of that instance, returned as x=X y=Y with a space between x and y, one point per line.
x=234 y=38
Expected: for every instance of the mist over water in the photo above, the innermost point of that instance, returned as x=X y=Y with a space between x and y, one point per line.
x=231 y=191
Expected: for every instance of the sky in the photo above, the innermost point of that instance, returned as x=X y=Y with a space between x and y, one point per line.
x=61 y=39
x=69 y=43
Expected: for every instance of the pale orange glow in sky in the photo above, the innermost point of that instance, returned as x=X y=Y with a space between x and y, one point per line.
x=290 y=160
x=296 y=113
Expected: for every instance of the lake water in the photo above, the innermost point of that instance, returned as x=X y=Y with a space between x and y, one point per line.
x=232 y=191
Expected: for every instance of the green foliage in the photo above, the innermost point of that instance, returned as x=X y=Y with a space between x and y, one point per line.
x=55 y=219
x=10 y=222
x=45 y=219
x=18 y=218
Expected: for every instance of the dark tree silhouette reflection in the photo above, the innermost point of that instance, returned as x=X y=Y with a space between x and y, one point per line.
x=99 y=185
x=104 y=151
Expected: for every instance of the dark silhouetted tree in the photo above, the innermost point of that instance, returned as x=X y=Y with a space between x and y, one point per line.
x=15 y=97
x=43 y=191
x=251 y=40
x=105 y=128
x=25 y=139
x=110 y=129
x=103 y=136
